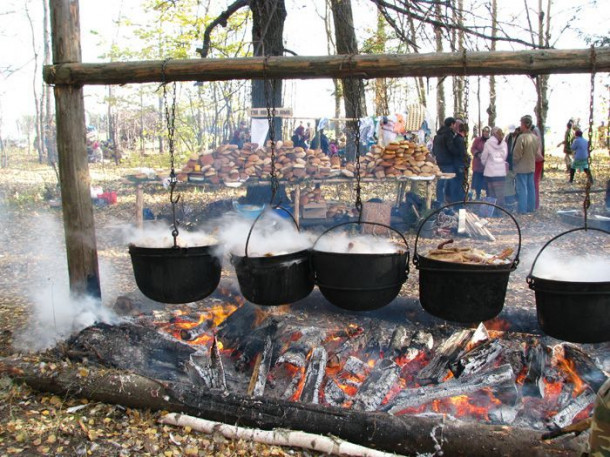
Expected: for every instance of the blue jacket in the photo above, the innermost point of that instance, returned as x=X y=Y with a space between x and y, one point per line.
x=580 y=146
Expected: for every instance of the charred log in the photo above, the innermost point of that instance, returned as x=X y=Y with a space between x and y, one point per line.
x=584 y=366
x=314 y=376
x=533 y=384
x=405 y=435
x=258 y=381
x=478 y=359
x=446 y=354
x=376 y=386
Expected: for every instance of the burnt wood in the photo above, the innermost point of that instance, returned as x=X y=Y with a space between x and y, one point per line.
x=438 y=64
x=405 y=435
x=584 y=366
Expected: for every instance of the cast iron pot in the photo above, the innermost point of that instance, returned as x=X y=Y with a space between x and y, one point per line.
x=277 y=279
x=461 y=292
x=175 y=275
x=360 y=282
x=578 y=312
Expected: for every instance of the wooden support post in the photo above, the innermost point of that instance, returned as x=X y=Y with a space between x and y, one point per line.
x=297 y=204
x=139 y=207
x=79 y=225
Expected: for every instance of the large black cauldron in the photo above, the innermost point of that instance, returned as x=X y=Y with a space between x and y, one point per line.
x=276 y=279
x=360 y=282
x=578 y=312
x=176 y=275
x=458 y=292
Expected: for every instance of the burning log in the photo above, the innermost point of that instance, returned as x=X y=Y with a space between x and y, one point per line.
x=584 y=366
x=351 y=375
x=350 y=346
x=252 y=344
x=377 y=430
x=207 y=370
x=501 y=379
x=567 y=415
x=258 y=381
x=376 y=386
x=314 y=376
x=297 y=352
x=533 y=385
x=240 y=322
x=477 y=359
x=446 y=355
x=195 y=332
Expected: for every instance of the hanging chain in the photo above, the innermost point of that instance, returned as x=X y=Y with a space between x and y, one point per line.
x=466 y=94
x=270 y=103
x=357 y=108
x=587 y=201
x=170 y=121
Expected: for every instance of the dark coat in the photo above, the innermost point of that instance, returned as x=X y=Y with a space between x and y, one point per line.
x=443 y=146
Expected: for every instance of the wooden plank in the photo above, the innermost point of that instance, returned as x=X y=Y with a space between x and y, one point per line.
x=530 y=62
x=74 y=179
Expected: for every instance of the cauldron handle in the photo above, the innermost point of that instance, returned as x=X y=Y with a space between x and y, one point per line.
x=260 y=215
x=367 y=223
x=530 y=276
x=515 y=260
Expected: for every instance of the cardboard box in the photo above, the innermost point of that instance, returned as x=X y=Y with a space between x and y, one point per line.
x=314 y=211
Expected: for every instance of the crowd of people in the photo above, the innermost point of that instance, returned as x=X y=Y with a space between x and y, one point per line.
x=507 y=168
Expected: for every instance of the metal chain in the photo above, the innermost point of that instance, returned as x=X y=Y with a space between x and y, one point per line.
x=270 y=103
x=358 y=112
x=170 y=121
x=587 y=201
x=465 y=182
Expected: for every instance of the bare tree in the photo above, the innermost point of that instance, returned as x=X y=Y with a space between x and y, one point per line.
x=39 y=143
x=491 y=109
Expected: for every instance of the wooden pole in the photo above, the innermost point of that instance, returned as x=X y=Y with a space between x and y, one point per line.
x=532 y=62
x=139 y=207
x=79 y=226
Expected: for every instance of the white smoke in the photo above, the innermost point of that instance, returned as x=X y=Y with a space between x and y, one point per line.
x=360 y=244
x=583 y=268
x=54 y=314
x=271 y=235
x=160 y=236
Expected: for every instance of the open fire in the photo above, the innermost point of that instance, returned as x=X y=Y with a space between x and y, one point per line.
x=308 y=354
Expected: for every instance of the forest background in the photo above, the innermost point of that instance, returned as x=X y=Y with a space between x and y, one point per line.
x=132 y=115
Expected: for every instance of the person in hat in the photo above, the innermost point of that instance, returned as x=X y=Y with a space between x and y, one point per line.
x=580 y=147
x=524 y=165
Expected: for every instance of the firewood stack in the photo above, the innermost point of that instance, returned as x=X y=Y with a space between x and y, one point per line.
x=228 y=163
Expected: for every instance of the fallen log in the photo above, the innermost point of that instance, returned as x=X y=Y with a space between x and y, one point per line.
x=406 y=434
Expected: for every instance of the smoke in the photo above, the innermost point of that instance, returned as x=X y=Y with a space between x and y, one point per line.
x=54 y=314
x=160 y=236
x=554 y=265
x=270 y=235
x=362 y=244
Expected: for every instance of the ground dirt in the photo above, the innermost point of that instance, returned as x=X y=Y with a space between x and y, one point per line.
x=38 y=423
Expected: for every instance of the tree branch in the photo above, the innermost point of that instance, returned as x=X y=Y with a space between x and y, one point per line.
x=220 y=20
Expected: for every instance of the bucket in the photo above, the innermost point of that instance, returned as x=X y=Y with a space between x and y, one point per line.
x=277 y=279
x=360 y=282
x=573 y=311
x=175 y=275
x=465 y=293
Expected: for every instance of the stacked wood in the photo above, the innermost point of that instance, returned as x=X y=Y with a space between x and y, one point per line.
x=470 y=224
x=468 y=255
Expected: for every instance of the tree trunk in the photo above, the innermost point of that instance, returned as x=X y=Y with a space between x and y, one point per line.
x=267 y=37
x=405 y=434
x=79 y=224
x=381 y=85
x=353 y=88
x=440 y=89
x=491 y=110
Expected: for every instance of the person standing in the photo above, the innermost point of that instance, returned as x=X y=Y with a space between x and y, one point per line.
x=524 y=164
x=478 y=180
x=568 y=137
x=461 y=161
x=580 y=146
x=495 y=166
x=442 y=149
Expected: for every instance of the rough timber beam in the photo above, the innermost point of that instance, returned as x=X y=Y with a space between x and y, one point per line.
x=531 y=62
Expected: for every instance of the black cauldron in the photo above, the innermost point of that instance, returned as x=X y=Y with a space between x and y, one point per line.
x=463 y=293
x=276 y=279
x=578 y=312
x=360 y=282
x=176 y=275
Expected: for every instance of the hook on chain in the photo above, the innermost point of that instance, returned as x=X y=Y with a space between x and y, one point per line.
x=587 y=200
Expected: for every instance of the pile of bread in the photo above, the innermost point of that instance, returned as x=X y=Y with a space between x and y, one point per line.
x=404 y=158
x=228 y=163
x=468 y=255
